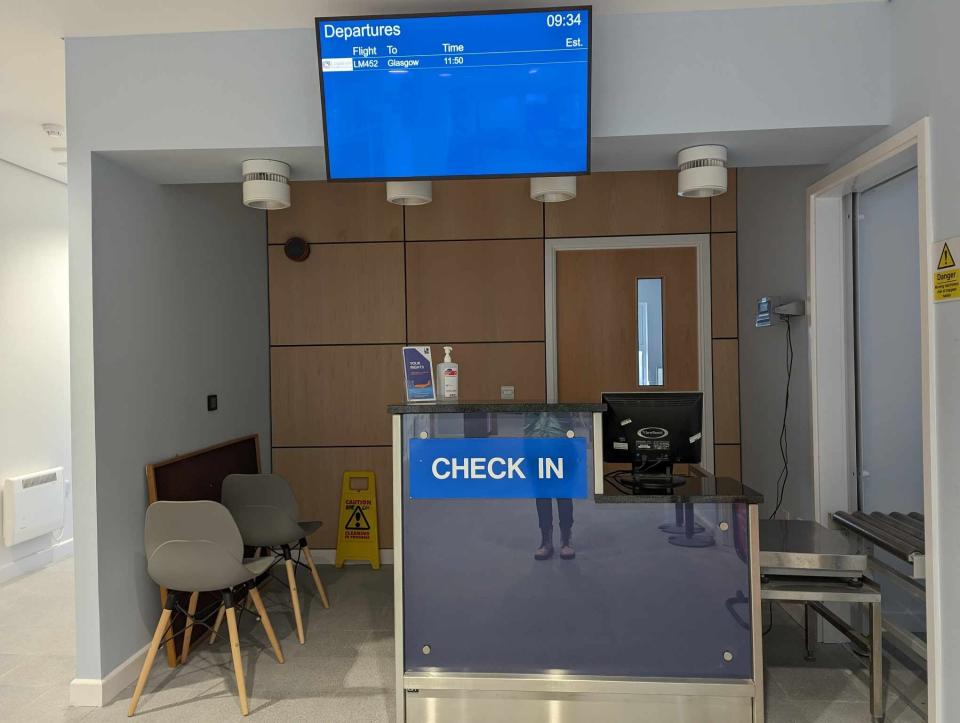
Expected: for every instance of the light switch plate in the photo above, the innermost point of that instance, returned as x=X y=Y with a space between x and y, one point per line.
x=506 y=392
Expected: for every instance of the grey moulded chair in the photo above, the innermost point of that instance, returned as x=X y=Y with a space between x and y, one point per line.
x=268 y=517
x=195 y=547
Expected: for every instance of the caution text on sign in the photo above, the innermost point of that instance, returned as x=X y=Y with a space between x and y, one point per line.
x=357 y=532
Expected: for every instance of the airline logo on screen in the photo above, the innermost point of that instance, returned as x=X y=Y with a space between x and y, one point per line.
x=498 y=468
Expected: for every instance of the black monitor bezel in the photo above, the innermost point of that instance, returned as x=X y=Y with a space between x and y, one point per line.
x=390 y=16
x=608 y=397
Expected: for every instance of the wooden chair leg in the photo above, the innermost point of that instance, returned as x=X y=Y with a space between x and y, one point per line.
x=294 y=595
x=151 y=653
x=188 y=632
x=254 y=595
x=216 y=625
x=235 y=653
x=316 y=575
x=171 y=645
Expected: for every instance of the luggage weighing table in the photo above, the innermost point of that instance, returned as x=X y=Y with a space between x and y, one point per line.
x=804 y=562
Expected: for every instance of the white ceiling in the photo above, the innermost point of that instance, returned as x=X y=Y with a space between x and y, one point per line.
x=32 y=57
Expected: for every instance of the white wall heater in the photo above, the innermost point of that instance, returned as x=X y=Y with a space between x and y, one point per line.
x=32 y=505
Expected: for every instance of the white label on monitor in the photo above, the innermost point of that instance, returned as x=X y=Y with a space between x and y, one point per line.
x=695 y=437
x=333 y=65
x=621 y=445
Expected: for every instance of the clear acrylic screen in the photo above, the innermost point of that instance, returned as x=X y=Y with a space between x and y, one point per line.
x=630 y=603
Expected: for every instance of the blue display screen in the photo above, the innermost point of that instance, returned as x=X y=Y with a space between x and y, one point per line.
x=484 y=94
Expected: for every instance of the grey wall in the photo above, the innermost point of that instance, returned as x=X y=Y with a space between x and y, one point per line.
x=34 y=346
x=180 y=311
x=772 y=261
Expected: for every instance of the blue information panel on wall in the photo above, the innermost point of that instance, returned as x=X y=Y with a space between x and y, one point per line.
x=456 y=95
x=498 y=468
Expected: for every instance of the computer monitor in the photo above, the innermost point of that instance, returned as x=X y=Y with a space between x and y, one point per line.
x=651 y=431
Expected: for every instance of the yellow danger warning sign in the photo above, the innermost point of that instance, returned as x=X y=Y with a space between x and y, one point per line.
x=946 y=278
x=357 y=532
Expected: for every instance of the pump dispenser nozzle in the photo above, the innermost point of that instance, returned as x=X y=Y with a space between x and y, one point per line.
x=446 y=354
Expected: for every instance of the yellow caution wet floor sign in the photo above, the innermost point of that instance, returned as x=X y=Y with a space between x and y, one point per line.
x=357 y=532
x=946 y=277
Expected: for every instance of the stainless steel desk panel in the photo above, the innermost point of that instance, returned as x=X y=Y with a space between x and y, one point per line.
x=808 y=548
x=569 y=699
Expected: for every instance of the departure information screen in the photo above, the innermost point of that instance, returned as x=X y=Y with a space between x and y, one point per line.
x=457 y=95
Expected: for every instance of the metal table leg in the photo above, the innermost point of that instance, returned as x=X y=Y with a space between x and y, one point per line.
x=809 y=631
x=876 y=662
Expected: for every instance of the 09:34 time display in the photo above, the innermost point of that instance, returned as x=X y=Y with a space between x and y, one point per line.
x=563 y=20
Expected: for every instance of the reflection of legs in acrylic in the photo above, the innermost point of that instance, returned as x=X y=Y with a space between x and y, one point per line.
x=545 y=517
x=565 y=513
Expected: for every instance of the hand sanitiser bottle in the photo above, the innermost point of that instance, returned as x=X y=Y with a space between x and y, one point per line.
x=448 y=376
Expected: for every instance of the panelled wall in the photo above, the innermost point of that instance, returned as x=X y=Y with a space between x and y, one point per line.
x=467 y=270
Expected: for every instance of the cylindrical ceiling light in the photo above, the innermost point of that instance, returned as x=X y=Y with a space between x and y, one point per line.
x=409 y=193
x=266 y=184
x=703 y=171
x=553 y=189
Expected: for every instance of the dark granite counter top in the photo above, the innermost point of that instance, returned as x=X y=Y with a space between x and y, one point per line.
x=695 y=489
x=465 y=407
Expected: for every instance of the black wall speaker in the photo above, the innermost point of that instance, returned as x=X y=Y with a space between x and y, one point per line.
x=296 y=249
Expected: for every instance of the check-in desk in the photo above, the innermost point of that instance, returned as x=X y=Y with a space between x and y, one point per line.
x=648 y=622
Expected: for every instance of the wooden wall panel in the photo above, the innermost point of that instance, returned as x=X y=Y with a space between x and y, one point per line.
x=476 y=290
x=480 y=209
x=627 y=204
x=726 y=391
x=342 y=294
x=723 y=208
x=323 y=212
x=726 y=460
x=485 y=367
x=315 y=476
x=723 y=283
x=334 y=395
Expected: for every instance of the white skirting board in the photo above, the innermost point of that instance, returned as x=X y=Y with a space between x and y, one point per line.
x=327 y=556
x=92 y=692
x=36 y=561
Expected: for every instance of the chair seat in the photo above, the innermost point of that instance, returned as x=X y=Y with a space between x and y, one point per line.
x=258 y=565
x=310 y=526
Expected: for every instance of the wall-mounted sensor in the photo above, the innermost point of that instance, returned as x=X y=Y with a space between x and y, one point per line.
x=771 y=309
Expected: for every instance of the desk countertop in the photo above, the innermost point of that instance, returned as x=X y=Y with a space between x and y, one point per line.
x=697 y=489
x=467 y=407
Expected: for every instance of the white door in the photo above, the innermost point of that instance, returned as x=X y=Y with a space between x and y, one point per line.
x=888 y=347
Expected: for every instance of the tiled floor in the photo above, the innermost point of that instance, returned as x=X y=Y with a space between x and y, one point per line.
x=344 y=672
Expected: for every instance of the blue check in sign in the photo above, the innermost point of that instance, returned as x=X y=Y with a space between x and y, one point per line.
x=498 y=468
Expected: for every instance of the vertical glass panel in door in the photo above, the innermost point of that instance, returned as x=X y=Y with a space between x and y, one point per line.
x=650 y=332
x=889 y=372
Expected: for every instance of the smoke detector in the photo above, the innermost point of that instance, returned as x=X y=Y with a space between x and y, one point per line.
x=553 y=189
x=54 y=130
x=703 y=171
x=409 y=193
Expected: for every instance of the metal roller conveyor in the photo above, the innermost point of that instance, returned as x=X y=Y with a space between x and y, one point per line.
x=904 y=544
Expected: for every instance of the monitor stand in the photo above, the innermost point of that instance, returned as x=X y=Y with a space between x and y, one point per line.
x=643 y=480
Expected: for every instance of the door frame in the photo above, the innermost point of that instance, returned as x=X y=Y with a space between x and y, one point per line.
x=699 y=242
x=829 y=283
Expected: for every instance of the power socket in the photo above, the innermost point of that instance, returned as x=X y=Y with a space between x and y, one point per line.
x=506 y=392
